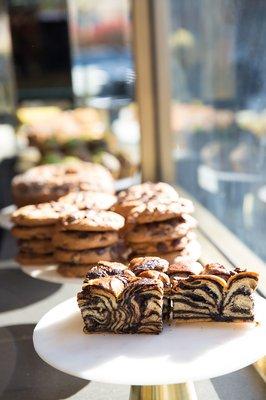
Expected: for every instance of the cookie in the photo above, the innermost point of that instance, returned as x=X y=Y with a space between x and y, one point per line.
x=186 y=205
x=40 y=214
x=36 y=246
x=138 y=194
x=159 y=231
x=191 y=253
x=82 y=240
x=165 y=246
x=89 y=200
x=31 y=259
x=155 y=210
x=94 y=271
x=50 y=182
x=140 y=264
x=33 y=232
x=121 y=251
x=92 y=220
x=74 y=270
x=84 y=256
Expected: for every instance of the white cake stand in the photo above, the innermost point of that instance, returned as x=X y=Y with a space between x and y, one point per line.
x=49 y=273
x=5 y=214
x=182 y=353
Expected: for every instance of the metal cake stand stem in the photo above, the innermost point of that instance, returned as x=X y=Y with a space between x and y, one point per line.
x=181 y=391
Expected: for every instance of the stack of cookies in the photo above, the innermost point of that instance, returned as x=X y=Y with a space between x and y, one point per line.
x=85 y=237
x=34 y=229
x=158 y=222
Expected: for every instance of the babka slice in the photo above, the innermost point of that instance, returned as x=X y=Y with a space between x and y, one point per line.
x=154 y=268
x=196 y=295
x=238 y=304
x=113 y=299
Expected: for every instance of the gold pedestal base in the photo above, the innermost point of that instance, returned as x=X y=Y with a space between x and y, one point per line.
x=182 y=391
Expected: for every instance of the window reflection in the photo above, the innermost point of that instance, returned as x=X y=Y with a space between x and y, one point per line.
x=218 y=111
x=102 y=64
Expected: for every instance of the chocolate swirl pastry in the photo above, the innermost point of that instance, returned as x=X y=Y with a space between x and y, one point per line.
x=141 y=264
x=105 y=268
x=238 y=303
x=153 y=274
x=139 y=298
x=184 y=270
x=122 y=305
x=220 y=270
x=199 y=297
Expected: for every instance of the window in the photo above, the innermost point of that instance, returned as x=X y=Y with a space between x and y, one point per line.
x=218 y=110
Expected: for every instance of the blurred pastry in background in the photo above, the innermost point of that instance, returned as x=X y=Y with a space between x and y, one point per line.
x=57 y=136
x=50 y=182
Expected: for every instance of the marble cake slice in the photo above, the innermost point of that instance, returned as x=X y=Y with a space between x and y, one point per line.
x=141 y=306
x=197 y=298
x=155 y=268
x=120 y=303
x=153 y=274
x=238 y=304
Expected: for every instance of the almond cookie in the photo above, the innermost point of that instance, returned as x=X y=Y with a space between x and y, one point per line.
x=40 y=214
x=32 y=259
x=138 y=194
x=82 y=240
x=165 y=246
x=49 y=182
x=89 y=200
x=159 y=231
x=91 y=220
x=155 y=210
x=36 y=246
x=84 y=256
x=33 y=232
